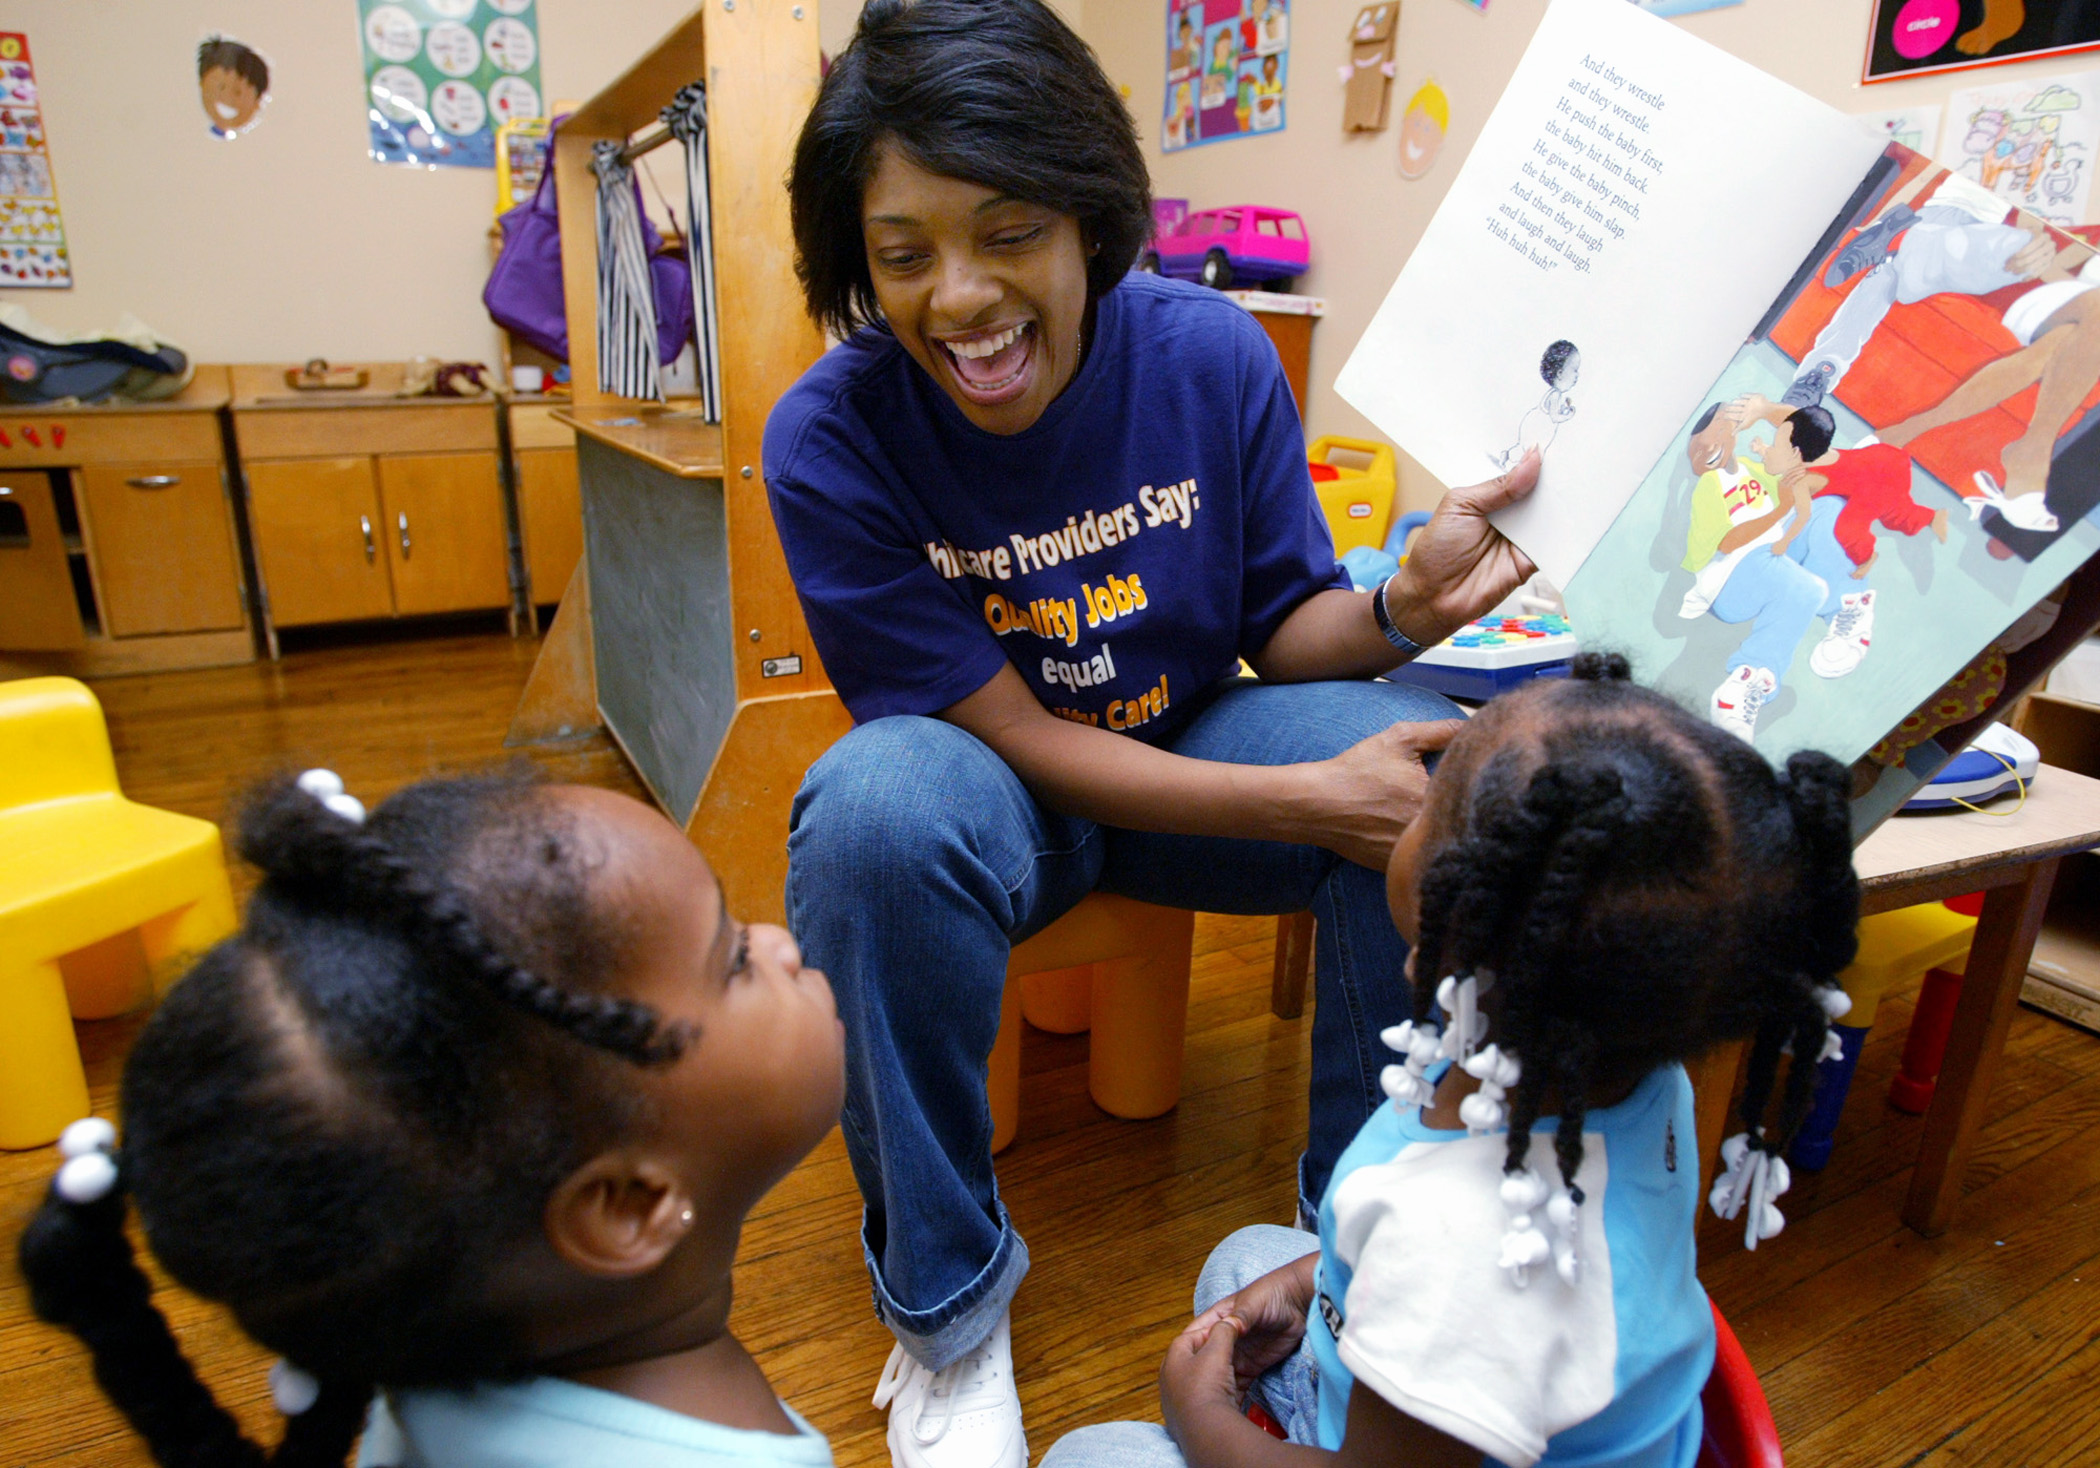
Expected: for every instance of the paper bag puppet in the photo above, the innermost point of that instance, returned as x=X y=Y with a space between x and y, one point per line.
x=1369 y=73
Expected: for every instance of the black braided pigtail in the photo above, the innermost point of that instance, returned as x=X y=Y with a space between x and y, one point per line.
x=1817 y=788
x=1573 y=1050
x=1600 y=667
x=83 y=1277
x=320 y=1437
x=316 y=856
x=1524 y=1104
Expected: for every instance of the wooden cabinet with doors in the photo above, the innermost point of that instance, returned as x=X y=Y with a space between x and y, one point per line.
x=550 y=499
x=118 y=546
x=365 y=505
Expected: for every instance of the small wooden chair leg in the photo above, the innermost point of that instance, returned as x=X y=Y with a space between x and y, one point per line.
x=1294 y=947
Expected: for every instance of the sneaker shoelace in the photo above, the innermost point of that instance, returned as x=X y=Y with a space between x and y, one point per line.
x=1847 y=618
x=1753 y=699
x=902 y=1372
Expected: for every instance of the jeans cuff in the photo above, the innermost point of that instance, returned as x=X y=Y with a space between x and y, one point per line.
x=948 y=1331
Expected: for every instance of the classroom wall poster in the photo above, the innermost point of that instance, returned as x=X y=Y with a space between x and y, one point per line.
x=2029 y=142
x=1912 y=36
x=1227 y=63
x=32 y=235
x=441 y=75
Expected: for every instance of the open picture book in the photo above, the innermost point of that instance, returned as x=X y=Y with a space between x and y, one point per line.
x=1819 y=419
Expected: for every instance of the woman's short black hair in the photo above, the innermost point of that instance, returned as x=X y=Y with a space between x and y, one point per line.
x=997 y=92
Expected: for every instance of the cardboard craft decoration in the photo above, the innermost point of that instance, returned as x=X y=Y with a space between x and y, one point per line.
x=1369 y=72
x=1422 y=129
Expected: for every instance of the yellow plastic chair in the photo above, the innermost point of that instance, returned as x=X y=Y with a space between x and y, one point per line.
x=1119 y=968
x=90 y=885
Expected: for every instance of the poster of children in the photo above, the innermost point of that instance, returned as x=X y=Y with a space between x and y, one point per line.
x=1227 y=61
x=442 y=75
x=32 y=236
x=2029 y=142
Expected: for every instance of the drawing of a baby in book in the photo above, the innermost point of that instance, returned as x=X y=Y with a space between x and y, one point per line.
x=1561 y=366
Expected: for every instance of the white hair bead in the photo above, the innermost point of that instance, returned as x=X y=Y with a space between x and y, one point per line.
x=1481 y=1112
x=89 y=1134
x=349 y=807
x=1496 y=1067
x=1833 y=1045
x=1523 y=1191
x=1835 y=1001
x=291 y=1389
x=87 y=1178
x=321 y=784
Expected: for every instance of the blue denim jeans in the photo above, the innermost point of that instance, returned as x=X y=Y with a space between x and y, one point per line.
x=1289 y=1391
x=917 y=859
x=1780 y=598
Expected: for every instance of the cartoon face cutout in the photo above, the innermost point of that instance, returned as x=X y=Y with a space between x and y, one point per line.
x=230 y=100
x=1422 y=129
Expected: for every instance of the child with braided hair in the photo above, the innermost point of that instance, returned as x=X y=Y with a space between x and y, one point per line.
x=468 y=1116
x=1599 y=886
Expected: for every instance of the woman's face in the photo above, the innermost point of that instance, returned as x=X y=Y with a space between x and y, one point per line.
x=987 y=292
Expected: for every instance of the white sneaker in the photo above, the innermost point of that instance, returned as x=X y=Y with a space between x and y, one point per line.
x=1844 y=646
x=966 y=1415
x=1736 y=702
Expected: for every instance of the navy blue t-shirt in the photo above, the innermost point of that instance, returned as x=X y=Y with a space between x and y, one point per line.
x=1154 y=525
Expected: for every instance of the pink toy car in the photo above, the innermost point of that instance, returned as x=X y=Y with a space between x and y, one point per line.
x=1221 y=247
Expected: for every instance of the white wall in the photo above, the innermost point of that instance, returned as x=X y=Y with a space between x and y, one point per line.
x=1363 y=217
x=287 y=242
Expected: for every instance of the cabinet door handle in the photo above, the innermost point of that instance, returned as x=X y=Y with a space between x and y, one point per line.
x=155 y=481
x=364 y=523
x=402 y=521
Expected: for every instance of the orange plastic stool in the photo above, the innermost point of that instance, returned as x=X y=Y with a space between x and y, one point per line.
x=96 y=894
x=1119 y=968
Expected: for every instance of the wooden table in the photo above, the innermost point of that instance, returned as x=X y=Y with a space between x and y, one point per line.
x=2011 y=856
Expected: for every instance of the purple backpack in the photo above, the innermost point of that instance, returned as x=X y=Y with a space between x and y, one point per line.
x=524 y=297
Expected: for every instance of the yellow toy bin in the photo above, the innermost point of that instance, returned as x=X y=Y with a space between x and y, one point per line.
x=1358 y=502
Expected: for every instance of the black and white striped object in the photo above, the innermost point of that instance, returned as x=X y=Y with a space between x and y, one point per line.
x=687 y=119
x=627 y=366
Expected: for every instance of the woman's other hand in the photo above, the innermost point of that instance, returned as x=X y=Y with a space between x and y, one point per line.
x=1459 y=566
x=1372 y=791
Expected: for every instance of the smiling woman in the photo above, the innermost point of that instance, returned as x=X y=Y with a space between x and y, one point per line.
x=1037 y=509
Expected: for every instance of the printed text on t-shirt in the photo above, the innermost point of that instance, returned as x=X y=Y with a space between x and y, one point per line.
x=1080 y=536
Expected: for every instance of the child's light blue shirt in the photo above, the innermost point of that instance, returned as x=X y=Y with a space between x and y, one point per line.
x=550 y=1423
x=1412 y=1303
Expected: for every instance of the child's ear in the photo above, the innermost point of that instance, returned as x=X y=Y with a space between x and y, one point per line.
x=618 y=1215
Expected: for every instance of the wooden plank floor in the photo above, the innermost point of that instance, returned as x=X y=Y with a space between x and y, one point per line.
x=1876 y=1346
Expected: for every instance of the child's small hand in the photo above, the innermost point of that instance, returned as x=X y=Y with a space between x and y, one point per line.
x=1269 y=1319
x=1197 y=1378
